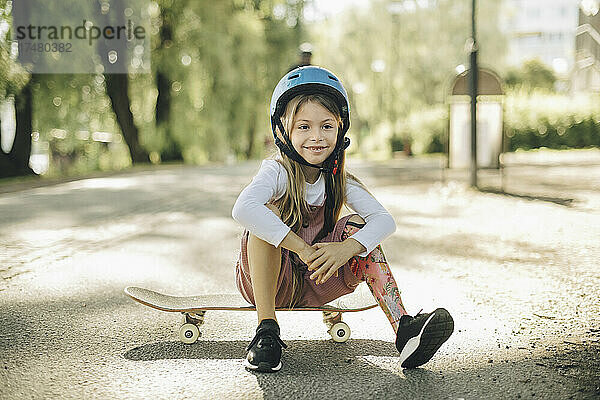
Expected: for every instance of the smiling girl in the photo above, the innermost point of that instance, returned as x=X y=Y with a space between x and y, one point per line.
x=295 y=250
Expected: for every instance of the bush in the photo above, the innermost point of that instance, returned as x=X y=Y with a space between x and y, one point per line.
x=533 y=74
x=549 y=120
x=424 y=130
x=531 y=120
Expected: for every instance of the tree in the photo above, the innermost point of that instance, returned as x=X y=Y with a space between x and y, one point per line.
x=15 y=84
x=235 y=52
x=533 y=74
x=214 y=65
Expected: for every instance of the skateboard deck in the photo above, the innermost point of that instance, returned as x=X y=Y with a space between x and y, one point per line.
x=236 y=302
x=195 y=307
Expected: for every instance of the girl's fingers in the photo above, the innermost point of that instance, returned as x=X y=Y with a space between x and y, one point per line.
x=313 y=256
x=324 y=278
x=321 y=270
x=318 y=262
x=318 y=272
x=328 y=272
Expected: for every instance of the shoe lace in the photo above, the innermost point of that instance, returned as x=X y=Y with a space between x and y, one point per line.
x=266 y=338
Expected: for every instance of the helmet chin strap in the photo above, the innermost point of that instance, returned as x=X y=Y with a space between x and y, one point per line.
x=330 y=165
x=330 y=168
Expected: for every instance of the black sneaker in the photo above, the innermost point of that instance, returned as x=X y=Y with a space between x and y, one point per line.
x=419 y=337
x=264 y=351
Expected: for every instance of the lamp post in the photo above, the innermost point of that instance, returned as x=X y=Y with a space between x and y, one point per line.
x=473 y=82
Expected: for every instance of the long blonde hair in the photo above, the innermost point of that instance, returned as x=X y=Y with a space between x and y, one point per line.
x=292 y=205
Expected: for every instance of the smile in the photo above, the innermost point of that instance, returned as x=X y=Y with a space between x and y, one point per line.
x=316 y=149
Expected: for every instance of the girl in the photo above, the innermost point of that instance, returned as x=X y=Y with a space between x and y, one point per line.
x=294 y=250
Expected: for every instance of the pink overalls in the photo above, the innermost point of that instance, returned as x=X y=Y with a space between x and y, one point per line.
x=312 y=294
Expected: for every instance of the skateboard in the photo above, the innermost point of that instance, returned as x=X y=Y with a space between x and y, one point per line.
x=194 y=309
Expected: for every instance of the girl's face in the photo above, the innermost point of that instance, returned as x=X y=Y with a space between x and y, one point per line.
x=314 y=132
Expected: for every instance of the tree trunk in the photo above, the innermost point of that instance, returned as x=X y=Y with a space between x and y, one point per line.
x=117 y=87
x=163 y=100
x=171 y=150
x=251 y=136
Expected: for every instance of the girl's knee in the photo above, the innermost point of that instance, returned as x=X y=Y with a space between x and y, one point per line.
x=352 y=225
x=356 y=219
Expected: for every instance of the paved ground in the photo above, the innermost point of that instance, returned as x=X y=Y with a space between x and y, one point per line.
x=519 y=275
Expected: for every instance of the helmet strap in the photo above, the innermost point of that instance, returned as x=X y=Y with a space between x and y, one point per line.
x=287 y=147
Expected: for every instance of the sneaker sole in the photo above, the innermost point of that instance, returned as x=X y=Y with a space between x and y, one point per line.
x=261 y=367
x=436 y=330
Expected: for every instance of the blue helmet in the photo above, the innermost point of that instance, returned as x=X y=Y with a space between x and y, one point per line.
x=310 y=80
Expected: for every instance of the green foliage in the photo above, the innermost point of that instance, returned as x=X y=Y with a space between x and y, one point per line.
x=72 y=114
x=533 y=74
x=420 y=50
x=531 y=120
x=543 y=119
x=12 y=75
x=424 y=130
x=221 y=59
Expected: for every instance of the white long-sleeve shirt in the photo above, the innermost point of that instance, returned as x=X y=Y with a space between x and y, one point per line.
x=270 y=183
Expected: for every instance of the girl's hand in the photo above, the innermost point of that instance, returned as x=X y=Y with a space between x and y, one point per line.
x=306 y=254
x=327 y=259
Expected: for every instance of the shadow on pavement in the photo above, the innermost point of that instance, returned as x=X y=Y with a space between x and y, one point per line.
x=567 y=202
x=306 y=350
x=96 y=326
x=369 y=369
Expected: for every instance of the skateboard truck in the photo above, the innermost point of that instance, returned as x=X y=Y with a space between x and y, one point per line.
x=190 y=331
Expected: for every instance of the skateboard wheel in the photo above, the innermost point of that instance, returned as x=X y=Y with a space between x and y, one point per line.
x=189 y=333
x=340 y=332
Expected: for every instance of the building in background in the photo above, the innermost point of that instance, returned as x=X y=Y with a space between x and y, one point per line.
x=542 y=29
x=586 y=74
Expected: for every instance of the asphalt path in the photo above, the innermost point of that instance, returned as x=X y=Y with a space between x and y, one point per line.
x=518 y=271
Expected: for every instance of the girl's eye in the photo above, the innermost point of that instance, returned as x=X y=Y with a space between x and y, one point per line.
x=328 y=126
x=303 y=127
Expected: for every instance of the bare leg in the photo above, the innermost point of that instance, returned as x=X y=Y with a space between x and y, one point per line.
x=265 y=264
